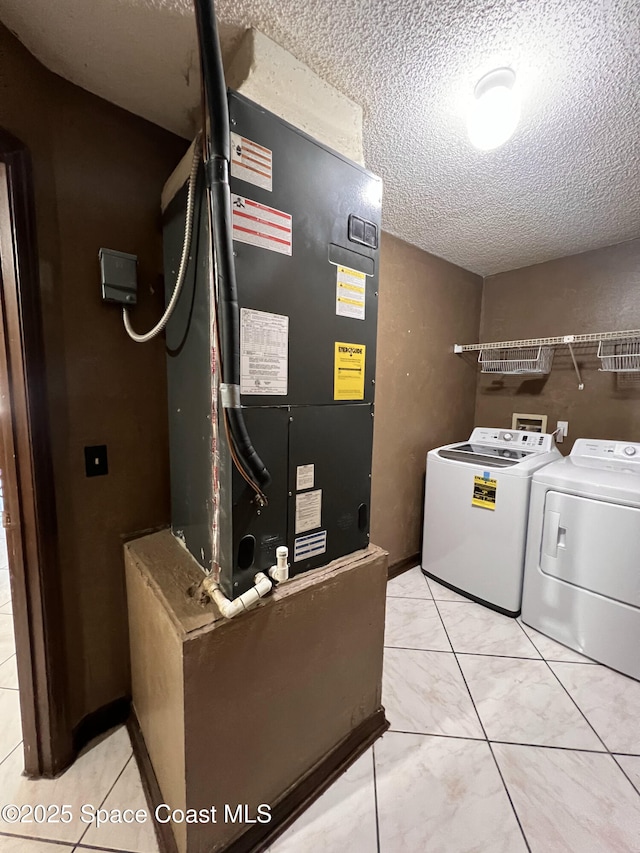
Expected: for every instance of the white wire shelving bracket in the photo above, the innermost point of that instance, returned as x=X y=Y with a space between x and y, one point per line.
x=561 y=340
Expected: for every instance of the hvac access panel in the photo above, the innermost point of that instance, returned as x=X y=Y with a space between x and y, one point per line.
x=302 y=227
x=306 y=227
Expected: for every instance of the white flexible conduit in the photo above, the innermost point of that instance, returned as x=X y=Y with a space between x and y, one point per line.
x=184 y=260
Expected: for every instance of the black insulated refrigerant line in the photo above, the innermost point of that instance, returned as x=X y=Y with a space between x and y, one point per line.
x=217 y=173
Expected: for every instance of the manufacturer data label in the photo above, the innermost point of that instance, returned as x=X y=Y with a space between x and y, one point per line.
x=309 y=546
x=308 y=510
x=484 y=493
x=264 y=352
x=304 y=477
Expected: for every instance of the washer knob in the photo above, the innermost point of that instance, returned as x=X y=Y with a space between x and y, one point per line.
x=630 y=450
x=507 y=436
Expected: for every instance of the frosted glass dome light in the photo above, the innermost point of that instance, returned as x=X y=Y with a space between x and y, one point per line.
x=495 y=111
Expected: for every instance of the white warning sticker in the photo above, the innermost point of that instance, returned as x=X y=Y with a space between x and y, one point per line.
x=308 y=511
x=309 y=545
x=260 y=225
x=264 y=352
x=351 y=287
x=251 y=162
x=304 y=477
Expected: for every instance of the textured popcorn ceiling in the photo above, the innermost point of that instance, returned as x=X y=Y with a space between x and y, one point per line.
x=568 y=181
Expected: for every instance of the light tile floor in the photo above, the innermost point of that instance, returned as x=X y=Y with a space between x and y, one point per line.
x=501 y=740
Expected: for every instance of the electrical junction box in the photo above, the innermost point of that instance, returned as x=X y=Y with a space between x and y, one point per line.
x=118 y=276
x=306 y=229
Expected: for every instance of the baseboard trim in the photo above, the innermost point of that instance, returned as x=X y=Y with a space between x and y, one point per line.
x=403 y=565
x=100 y=721
x=289 y=807
x=150 y=786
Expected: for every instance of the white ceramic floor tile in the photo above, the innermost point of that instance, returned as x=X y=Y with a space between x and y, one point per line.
x=609 y=701
x=4 y=556
x=81 y=849
x=127 y=793
x=631 y=766
x=424 y=692
x=443 y=593
x=521 y=701
x=550 y=650
x=411 y=584
x=414 y=624
x=7 y=609
x=87 y=781
x=5 y=587
x=342 y=819
x=571 y=802
x=475 y=629
x=442 y=794
x=10 y=729
x=22 y=845
x=9 y=674
x=7 y=641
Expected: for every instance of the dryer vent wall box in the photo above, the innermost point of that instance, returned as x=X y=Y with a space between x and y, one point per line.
x=475 y=513
x=307 y=287
x=530 y=423
x=581 y=584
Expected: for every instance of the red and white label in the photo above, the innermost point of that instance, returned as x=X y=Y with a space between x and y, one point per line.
x=251 y=162
x=260 y=225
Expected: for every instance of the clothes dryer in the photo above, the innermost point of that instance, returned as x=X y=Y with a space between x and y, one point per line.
x=582 y=568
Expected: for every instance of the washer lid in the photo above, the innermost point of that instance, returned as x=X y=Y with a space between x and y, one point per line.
x=478 y=454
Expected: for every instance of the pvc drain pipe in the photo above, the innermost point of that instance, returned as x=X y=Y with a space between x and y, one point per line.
x=262 y=586
x=280 y=572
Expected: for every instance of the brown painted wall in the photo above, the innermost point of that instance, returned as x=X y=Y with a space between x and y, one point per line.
x=591 y=292
x=424 y=394
x=98 y=175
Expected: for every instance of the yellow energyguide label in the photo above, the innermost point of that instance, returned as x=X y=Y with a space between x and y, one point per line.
x=484 y=492
x=348 y=372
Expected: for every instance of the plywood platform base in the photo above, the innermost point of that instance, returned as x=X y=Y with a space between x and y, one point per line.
x=263 y=710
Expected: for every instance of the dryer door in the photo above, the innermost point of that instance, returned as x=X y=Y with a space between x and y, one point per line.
x=592 y=544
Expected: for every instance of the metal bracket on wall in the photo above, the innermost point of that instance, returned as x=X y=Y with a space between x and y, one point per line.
x=575 y=366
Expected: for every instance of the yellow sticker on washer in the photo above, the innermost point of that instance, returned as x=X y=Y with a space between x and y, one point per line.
x=484 y=493
x=348 y=371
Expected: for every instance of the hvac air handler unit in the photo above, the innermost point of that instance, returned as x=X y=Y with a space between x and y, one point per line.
x=305 y=224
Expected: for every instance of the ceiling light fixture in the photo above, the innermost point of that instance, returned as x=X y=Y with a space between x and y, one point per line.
x=495 y=111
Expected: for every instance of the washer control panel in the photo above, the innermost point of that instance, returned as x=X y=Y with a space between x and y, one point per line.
x=622 y=451
x=538 y=442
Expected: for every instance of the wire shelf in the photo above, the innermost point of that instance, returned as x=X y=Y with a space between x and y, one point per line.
x=516 y=360
x=620 y=356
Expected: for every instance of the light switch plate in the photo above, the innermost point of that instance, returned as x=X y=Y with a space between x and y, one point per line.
x=95 y=460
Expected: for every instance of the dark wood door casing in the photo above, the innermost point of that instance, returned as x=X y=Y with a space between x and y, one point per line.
x=25 y=458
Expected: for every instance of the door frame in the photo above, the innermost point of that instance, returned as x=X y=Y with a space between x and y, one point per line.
x=26 y=461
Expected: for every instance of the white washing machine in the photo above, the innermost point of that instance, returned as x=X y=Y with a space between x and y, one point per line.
x=582 y=568
x=475 y=513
